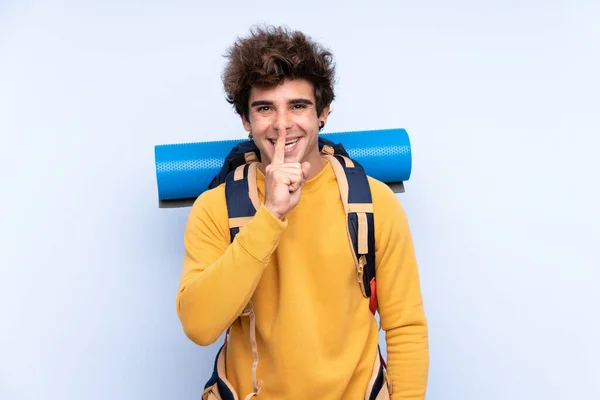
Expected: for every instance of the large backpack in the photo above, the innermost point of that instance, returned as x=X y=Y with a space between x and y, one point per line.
x=238 y=173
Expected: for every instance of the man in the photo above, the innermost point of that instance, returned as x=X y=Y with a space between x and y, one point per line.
x=286 y=286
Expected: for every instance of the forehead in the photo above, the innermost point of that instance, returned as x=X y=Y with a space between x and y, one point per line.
x=289 y=89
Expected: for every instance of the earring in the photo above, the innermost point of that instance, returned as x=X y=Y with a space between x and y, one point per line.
x=322 y=125
x=250 y=136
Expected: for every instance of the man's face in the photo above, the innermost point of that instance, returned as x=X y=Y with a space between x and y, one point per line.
x=291 y=107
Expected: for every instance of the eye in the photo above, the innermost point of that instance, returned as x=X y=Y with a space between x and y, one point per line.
x=263 y=108
x=299 y=106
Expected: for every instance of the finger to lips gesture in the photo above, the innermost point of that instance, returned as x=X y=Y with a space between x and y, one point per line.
x=283 y=180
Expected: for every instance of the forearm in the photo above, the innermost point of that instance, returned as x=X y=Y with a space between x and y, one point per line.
x=213 y=295
x=408 y=360
x=209 y=301
x=405 y=323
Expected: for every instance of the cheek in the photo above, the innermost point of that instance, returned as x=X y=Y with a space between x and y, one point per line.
x=260 y=126
x=308 y=124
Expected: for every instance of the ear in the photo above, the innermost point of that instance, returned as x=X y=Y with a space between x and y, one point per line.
x=246 y=124
x=324 y=115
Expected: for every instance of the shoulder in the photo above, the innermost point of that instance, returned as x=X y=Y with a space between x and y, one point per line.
x=209 y=211
x=389 y=215
x=210 y=200
x=383 y=196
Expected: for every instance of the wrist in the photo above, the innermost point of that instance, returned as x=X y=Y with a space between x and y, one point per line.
x=273 y=212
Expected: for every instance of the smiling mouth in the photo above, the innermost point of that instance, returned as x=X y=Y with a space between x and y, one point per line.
x=288 y=144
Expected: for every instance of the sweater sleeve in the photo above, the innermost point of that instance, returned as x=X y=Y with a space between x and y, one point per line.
x=219 y=277
x=400 y=301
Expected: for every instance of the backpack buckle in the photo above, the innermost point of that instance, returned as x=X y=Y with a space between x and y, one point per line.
x=362 y=261
x=250 y=157
x=327 y=150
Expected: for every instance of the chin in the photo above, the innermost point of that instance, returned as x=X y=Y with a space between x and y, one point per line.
x=297 y=155
x=292 y=158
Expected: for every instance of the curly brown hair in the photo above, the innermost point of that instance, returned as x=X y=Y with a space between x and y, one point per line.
x=270 y=55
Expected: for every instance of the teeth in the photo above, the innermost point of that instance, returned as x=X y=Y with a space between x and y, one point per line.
x=287 y=144
x=290 y=144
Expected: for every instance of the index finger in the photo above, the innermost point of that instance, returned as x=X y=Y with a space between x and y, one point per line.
x=279 y=154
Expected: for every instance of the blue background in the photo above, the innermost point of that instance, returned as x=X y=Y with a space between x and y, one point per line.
x=501 y=103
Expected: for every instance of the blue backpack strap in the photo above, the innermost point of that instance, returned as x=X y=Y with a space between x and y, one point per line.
x=241 y=195
x=242 y=153
x=218 y=381
x=356 y=197
x=358 y=203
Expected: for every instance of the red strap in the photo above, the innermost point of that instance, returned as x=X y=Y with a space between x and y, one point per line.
x=373 y=299
x=226 y=335
x=373 y=308
x=382 y=360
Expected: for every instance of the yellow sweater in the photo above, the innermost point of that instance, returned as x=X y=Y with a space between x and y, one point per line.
x=316 y=336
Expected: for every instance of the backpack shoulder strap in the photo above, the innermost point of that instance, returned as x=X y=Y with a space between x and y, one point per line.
x=243 y=153
x=241 y=196
x=356 y=196
x=242 y=199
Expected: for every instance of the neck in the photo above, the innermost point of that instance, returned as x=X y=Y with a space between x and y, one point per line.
x=317 y=163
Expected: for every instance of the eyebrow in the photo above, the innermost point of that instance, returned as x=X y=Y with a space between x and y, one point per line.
x=258 y=103
x=301 y=101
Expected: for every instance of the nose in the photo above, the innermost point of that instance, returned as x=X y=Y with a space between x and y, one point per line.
x=282 y=122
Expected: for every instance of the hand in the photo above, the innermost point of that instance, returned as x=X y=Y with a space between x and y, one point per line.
x=283 y=181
